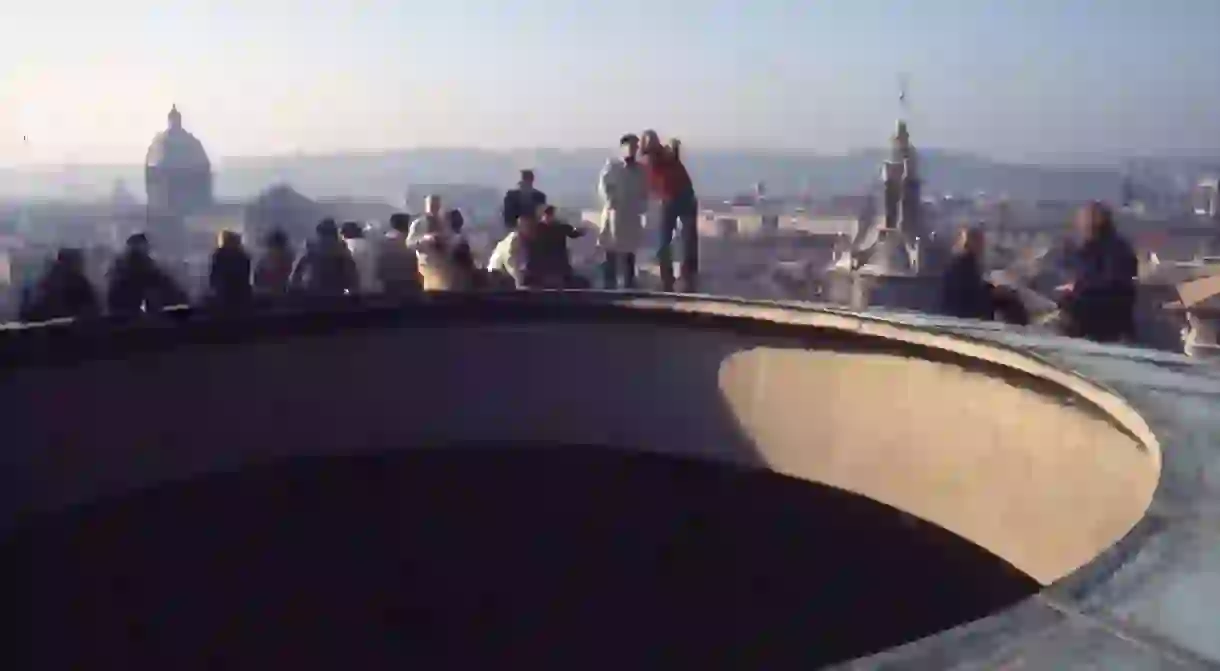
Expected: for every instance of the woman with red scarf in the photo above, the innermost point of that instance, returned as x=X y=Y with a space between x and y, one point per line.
x=671 y=184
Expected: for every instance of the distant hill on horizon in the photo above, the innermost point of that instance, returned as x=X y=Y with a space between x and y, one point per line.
x=570 y=174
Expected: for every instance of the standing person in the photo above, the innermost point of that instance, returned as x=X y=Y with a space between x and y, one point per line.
x=672 y=186
x=397 y=266
x=326 y=269
x=623 y=187
x=1099 y=302
x=363 y=255
x=274 y=268
x=229 y=273
x=434 y=240
x=137 y=283
x=522 y=200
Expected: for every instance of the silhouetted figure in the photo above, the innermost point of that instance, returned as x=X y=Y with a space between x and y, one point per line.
x=671 y=184
x=462 y=255
x=229 y=275
x=274 y=268
x=965 y=293
x=397 y=265
x=524 y=199
x=363 y=255
x=64 y=291
x=1099 y=302
x=623 y=187
x=138 y=284
x=549 y=264
x=326 y=269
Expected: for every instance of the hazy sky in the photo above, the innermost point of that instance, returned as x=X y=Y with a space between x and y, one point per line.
x=91 y=81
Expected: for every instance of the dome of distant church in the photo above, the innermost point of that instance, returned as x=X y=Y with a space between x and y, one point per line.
x=176 y=148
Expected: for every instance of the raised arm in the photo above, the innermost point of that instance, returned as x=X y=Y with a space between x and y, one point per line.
x=605 y=183
x=418 y=235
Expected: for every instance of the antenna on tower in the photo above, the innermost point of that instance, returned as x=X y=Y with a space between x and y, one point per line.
x=904 y=84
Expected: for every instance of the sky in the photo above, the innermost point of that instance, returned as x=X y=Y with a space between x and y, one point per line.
x=83 y=81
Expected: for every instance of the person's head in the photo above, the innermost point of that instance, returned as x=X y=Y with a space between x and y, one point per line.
x=228 y=239
x=327 y=229
x=630 y=146
x=650 y=142
x=277 y=239
x=526 y=182
x=70 y=259
x=1095 y=221
x=432 y=205
x=400 y=222
x=548 y=214
x=970 y=240
x=138 y=244
x=456 y=220
x=351 y=230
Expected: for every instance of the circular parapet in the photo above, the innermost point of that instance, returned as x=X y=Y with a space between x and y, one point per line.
x=507 y=397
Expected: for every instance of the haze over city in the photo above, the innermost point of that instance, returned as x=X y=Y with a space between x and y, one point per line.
x=1040 y=80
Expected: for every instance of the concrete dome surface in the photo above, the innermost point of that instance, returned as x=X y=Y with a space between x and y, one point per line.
x=1044 y=484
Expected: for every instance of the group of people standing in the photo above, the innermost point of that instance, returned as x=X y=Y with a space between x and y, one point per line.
x=1097 y=302
x=648 y=170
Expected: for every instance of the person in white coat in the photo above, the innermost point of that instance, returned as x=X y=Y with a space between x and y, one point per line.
x=623 y=187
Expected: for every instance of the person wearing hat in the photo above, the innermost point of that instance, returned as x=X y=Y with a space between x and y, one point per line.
x=524 y=199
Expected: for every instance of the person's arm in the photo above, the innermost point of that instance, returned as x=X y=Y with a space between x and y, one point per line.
x=572 y=231
x=605 y=184
x=297 y=278
x=418 y=235
x=508 y=210
x=215 y=272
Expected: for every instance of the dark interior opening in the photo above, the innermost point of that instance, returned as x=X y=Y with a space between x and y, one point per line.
x=476 y=557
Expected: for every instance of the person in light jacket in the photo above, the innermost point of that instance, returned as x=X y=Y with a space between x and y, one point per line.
x=623 y=187
x=510 y=258
x=434 y=240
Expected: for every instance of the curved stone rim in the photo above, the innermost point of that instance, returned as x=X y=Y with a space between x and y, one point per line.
x=979 y=349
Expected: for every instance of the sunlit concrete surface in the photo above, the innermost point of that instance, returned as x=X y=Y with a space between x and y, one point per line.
x=1091 y=469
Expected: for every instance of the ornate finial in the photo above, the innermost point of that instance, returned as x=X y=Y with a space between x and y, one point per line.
x=175 y=117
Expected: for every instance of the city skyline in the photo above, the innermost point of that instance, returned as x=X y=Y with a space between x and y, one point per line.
x=1031 y=81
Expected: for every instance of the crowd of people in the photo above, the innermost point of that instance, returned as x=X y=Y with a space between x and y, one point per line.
x=427 y=253
x=431 y=253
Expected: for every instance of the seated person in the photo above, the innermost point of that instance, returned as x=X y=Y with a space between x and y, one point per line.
x=510 y=258
x=964 y=292
x=550 y=263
